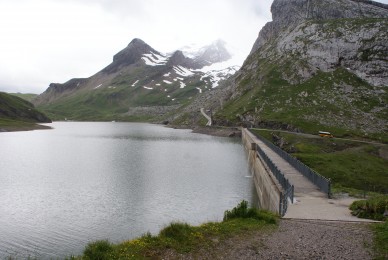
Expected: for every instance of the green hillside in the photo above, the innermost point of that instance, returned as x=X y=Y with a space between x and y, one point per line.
x=313 y=105
x=26 y=96
x=114 y=102
x=19 y=114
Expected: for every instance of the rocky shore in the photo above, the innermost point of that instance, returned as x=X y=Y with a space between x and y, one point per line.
x=218 y=131
x=213 y=131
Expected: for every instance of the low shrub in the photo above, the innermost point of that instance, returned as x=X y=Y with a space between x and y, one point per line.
x=242 y=211
x=178 y=231
x=373 y=208
x=98 y=250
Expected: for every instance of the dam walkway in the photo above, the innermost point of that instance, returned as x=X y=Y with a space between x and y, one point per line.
x=309 y=202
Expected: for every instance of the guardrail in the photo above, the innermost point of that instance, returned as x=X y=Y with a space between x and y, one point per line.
x=286 y=185
x=321 y=182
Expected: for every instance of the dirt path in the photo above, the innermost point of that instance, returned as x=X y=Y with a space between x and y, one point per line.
x=294 y=239
x=209 y=120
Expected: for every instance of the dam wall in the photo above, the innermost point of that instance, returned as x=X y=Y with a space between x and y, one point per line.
x=269 y=191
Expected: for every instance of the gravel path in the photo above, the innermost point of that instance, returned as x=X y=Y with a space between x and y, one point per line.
x=294 y=239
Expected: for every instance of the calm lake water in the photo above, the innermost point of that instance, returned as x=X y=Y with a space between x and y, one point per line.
x=62 y=188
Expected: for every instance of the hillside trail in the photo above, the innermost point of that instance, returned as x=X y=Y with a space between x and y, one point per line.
x=209 y=120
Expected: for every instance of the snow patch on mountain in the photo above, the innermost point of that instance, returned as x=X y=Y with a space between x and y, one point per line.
x=218 y=71
x=134 y=84
x=182 y=71
x=153 y=59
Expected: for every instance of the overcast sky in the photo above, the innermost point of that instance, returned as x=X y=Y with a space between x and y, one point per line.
x=44 y=41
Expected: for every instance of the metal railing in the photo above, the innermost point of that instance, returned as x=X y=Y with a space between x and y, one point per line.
x=318 y=180
x=288 y=189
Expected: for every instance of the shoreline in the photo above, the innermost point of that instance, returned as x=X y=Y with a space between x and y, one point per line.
x=213 y=131
x=23 y=127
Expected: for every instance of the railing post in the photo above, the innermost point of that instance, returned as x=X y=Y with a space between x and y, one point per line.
x=329 y=188
x=281 y=204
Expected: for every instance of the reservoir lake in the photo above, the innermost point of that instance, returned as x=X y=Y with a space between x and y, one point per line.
x=84 y=181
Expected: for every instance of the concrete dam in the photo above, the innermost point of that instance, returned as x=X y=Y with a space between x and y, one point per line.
x=288 y=187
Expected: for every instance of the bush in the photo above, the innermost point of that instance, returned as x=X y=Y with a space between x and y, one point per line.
x=242 y=211
x=98 y=250
x=178 y=231
x=374 y=208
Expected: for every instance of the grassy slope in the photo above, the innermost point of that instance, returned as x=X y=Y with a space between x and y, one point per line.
x=18 y=114
x=350 y=165
x=278 y=101
x=111 y=103
x=27 y=96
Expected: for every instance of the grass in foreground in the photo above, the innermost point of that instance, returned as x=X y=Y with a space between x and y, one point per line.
x=381 y=240
x=184 y=238
x=375 y=208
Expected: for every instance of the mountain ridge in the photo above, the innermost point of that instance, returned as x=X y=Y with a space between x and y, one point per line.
x=139 y=76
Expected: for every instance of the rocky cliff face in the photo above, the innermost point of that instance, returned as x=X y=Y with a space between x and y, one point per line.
x=319 y=64
x=286 y=14
x=327 y=34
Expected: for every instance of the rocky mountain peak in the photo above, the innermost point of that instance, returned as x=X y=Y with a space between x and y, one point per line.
x=286 y=14
x=129 y=55
x=135 y=49
x=136 y=42
x=178 y=58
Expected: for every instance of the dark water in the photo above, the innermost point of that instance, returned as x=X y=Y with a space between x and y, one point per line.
x=62 y=188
